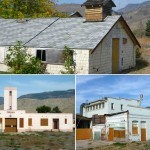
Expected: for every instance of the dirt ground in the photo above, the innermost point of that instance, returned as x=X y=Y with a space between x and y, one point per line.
x=104 y=145
x=145 y=50
x=37 y=141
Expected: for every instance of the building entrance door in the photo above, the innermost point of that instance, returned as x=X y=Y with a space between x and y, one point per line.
x=56 y=123
x=10 y=125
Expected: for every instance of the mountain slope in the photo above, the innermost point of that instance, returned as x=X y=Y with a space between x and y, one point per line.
x=48 y=95
x=69 y=8
x=66 y=105
x=136 y=14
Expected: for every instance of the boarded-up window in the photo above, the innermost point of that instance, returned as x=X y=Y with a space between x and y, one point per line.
x=21 y=122
x=134 y=127
x=44 y=122
x=41 y=55
x=119 y=133
x=65 y=121
x=30 y=122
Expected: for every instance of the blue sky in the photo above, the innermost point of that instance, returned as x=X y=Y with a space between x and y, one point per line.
x=36 y=83
x=95 y=87
x=119 y=3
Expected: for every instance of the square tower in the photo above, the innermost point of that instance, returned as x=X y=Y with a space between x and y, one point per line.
x=10 y=98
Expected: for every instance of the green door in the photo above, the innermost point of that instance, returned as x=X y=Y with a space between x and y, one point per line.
x=97 y=135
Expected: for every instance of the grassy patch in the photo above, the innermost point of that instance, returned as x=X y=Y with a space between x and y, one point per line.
x=120 y=144
x=3 y=72
x=37 y=140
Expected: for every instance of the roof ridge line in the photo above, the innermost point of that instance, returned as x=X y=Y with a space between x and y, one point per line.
x=41 y=31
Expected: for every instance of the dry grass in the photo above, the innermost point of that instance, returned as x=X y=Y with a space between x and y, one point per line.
x=104 y=145
x=142 y=67
x=37 y=141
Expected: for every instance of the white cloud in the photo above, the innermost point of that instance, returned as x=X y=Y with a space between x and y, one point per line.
x=84 y=79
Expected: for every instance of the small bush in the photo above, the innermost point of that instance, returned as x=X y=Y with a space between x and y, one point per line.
x=120 y=144
x=141 y=63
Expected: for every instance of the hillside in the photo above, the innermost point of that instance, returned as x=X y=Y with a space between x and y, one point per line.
x=48 y=95
x=63 y=99
x=69 y=8
x=136 y=14
x=66 y=105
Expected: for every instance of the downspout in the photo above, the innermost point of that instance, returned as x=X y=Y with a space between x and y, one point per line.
x=128 y=127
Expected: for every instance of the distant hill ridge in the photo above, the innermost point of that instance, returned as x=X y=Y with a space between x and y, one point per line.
x=51 y=94
x=46 y=95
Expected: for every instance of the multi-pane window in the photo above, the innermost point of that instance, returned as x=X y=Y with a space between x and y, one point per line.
x=41 y=55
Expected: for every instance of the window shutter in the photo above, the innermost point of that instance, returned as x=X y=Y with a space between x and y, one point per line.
x=44 y=122
x=21 y=122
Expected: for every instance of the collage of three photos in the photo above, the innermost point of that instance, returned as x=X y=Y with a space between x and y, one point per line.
x=74 y=75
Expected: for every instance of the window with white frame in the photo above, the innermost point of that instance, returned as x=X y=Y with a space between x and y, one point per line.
x=121 y=107
x=112 y=106
x=41 y=55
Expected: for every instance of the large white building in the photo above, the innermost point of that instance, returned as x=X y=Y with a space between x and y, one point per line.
x=102 y=43
x=13 y=120
x=118 y=119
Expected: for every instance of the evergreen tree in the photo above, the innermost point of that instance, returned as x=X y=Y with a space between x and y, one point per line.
x=43 y=109
x=56 y=110
x=147 y=31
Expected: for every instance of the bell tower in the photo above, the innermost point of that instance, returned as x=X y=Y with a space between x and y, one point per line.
x=10 y=98
x=98 y=10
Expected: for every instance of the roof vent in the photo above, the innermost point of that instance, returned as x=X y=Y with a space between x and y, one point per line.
x=22 y=20
x=98 y=10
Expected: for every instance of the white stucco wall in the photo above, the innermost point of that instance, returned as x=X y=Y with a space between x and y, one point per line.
x=7 y=102
x=101 y=58
x=36 y=117
x=107 y=106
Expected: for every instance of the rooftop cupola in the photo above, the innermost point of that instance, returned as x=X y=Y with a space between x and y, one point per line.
x=98 y=10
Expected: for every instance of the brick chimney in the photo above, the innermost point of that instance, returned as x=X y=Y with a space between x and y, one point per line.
x=98 y=10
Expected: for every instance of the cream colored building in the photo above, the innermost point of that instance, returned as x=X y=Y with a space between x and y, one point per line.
x=14 y=120
x=102 y=43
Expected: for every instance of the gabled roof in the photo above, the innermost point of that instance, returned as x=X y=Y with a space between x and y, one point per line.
x=98 y=3
x=76 y=13
x=57 y=32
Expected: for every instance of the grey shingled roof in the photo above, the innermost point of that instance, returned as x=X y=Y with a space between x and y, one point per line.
x=73 y=32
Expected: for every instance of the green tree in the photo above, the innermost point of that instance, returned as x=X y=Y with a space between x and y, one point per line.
x=147 y=31
x=56 y=110
x=20 y=62
x=43 y=109
x=28 y=9
x=68 y=61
